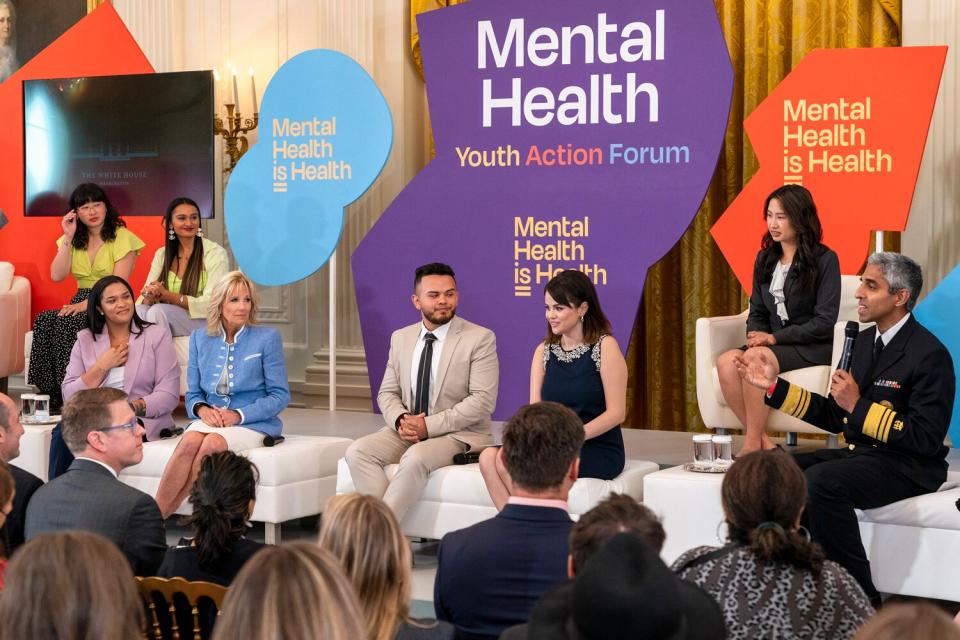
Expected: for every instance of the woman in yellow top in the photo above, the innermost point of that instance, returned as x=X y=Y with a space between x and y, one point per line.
x=182 y=273
x=95 y=243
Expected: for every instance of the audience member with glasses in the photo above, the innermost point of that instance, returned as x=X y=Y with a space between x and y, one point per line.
x=103 y=433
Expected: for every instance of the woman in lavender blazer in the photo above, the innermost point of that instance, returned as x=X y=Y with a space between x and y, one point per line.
x=123 y=351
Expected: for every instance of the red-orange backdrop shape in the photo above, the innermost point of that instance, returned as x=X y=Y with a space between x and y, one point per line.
x=98 y=45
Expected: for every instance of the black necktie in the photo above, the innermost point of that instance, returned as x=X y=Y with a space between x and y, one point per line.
x=421 y=401
x=877 y=349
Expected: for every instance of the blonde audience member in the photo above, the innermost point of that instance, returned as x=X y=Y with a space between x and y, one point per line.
x=362 y=532
x=296 y=591
x=909 y=621
x=71 y=585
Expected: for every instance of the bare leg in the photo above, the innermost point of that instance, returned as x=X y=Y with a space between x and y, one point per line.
x=756 y=407
x=495 y=477
x=177 y=472
x=212 y=443
x=731 y=384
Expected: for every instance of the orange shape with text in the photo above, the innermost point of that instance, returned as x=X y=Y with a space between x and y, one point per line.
x=97 y=45
x=850 y=125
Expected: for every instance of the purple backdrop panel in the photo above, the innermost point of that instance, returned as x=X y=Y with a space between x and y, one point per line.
x=568 y=135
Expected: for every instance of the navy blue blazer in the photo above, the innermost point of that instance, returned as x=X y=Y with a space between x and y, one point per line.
x=256 y=374
x=490 y=575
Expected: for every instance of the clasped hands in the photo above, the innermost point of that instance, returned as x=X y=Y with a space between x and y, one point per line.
x=153 y=292
x=756 y=369
x=413 y=428
x=760 y=339
x=218 y=416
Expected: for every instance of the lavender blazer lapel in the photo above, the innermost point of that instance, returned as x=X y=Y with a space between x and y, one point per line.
x=134 y=356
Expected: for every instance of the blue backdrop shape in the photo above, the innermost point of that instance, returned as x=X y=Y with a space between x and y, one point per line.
x=325 y=133
x=938 y=313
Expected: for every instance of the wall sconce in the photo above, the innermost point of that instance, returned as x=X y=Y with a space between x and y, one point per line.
x=234 y=128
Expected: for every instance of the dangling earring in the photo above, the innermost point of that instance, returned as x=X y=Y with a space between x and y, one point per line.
x=200 y=233
x=171 y=235
x=581 y=318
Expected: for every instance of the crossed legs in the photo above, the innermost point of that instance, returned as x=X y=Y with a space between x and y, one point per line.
x=745 y=400
x=182 y=468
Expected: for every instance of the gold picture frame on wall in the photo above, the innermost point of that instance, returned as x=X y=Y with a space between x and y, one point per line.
x=27 y=27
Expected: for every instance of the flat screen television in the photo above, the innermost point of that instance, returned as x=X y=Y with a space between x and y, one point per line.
x=144 y=138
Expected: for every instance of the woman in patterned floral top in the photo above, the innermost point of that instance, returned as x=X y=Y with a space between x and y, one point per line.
x=568 y=368
x=769 y=579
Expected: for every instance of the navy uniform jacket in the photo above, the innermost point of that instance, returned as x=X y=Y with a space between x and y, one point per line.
x=904 y=408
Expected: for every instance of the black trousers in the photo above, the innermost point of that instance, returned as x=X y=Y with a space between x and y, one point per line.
x=839 y=481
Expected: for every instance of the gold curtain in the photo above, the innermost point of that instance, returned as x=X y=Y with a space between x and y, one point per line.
x=93 y=4
x=765 y=39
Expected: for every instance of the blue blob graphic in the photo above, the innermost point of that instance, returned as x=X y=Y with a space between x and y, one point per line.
x=325 y=133
x=938 y=313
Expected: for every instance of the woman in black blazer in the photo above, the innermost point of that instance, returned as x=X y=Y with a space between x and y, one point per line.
x=793 y=306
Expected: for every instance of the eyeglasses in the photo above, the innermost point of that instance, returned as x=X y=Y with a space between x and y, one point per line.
x=133 y=424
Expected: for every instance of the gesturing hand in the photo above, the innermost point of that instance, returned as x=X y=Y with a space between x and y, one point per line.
x=69 y=225
x=114 y=357
x=757 y=370
x=844 y=390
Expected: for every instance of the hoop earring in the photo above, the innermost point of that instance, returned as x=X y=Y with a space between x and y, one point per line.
x=171 y=235
x=803 y=531
x=724 y=539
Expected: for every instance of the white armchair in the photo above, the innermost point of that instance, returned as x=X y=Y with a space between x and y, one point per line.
x=722 y=333
x=14 y=321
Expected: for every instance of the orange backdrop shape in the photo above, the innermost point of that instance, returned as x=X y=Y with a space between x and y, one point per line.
x=859 y=156
x=98 y=45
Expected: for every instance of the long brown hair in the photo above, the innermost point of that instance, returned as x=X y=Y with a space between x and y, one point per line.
x=296 y=591
x=572 y=288
x=763 y=496
x=364 y=535
x=70 y=585
x=190 y=282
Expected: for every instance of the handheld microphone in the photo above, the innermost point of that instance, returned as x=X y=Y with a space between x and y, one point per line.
x=468 y=457
x=849 y=337
x=269 y=441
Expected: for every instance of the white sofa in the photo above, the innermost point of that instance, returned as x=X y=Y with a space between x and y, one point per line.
x=714 y=336
x=297 y=477
x=456 y=497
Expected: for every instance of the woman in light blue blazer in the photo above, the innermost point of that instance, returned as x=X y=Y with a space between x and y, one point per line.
x=236 y=387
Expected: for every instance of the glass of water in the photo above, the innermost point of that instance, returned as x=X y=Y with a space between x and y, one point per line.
x=27 y=407
x=41 y=412
x=723 y=449
x=703 y=450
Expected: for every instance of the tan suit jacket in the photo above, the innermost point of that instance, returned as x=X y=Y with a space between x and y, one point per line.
x=467 y=380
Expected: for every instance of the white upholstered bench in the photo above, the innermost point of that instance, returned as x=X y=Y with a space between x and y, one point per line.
x=911 y=544
x=297 y=477
x=455 y=496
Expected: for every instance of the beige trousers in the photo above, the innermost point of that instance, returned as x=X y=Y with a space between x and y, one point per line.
x=368 y=456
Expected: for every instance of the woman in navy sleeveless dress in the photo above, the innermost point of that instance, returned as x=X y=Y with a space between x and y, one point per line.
x=579 y=365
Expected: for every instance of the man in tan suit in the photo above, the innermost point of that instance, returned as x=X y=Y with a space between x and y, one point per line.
x=437 y=394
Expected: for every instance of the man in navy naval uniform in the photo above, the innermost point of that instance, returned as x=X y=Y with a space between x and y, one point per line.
x=893 y=409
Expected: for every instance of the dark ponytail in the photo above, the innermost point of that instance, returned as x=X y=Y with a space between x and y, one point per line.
x=221 y=498
x=763 y=496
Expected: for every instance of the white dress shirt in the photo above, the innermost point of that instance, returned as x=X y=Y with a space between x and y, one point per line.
x=441 y=334
x=889 y=334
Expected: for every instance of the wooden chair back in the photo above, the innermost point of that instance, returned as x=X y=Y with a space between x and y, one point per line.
x=168 y=588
